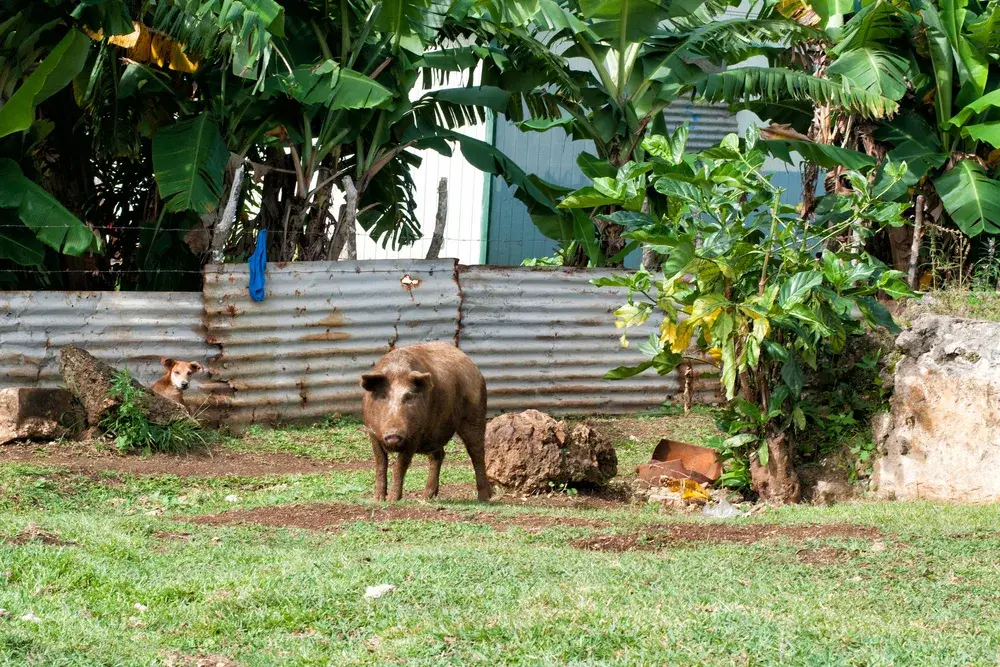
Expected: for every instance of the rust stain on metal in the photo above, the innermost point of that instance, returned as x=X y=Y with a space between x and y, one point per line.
x=409 y=283
x=303 y=394
x=326 y=335
x=334 y=319
x=231 y=310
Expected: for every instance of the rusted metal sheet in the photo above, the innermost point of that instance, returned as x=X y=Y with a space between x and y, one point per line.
x=544 y=338
x=300 y=352
x=126 y=329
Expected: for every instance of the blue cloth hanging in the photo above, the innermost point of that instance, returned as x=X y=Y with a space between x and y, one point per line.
x=258 y=267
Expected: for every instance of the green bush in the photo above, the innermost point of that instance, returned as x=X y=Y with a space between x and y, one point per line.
x=127 y=424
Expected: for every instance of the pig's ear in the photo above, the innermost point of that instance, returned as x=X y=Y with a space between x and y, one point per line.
x=372 y=381
x=168 y=363
x=421 y=380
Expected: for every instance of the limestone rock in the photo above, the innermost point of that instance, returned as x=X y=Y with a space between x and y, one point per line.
x=37 y=414
x=530 y=451
x=941 y=439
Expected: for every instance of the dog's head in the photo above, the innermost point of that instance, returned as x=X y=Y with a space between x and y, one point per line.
x=180 y=371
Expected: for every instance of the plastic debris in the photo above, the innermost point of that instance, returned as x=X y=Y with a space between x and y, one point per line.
x=721 y=510
x=232 y=498
x=375 y=592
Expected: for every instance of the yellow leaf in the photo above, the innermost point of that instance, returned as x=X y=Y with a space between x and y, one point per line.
x=141 y=52
x=682 y=339
x=623 y=341
x=715 y=353
x=127 y=41
x=179 y=61
x=692 y=490
x=160 y=49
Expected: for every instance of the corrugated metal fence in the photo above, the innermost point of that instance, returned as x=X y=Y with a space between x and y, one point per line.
x=542 y=337
x=133 y=329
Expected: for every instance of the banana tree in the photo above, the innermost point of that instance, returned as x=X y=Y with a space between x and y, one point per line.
x=614 y=66
x=182 y=99
x=937 y=60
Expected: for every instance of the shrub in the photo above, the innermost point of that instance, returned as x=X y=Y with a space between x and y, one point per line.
x=127 y=424
x=747 y=285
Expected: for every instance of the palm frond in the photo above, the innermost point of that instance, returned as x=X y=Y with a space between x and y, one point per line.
x=763 y=84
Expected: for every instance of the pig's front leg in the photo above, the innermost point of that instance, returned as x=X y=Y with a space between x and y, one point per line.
x=398 y=473
x=381 y=467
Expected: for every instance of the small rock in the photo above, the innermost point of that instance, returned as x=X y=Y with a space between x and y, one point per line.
x=139 y=607
x=878 y=546
x=375 y=592
x=232 y=498
x=31 y=618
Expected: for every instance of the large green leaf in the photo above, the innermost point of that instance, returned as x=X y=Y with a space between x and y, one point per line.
x=973 y=67
x=63 y=63
x=412 y=24
x=334 y=87
x=971 y=198
x=986 y=132
x=774 y=84
x=357 y=91
x=873 y=69
x=917 y=144
x=874 y=23
x=17 y=242
x=621 y=22
x=824 y=155
x=42 y=213
x=990 y=100
x=942 y=61
x=189 y=163
x=490 y=97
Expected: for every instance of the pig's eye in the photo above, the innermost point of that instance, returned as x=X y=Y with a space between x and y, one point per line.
x=408 y=396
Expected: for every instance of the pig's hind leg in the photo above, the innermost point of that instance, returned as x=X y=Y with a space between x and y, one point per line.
x=473 y=434
x=434 y=474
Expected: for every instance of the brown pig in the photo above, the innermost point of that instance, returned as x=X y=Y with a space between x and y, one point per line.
x=416 y=398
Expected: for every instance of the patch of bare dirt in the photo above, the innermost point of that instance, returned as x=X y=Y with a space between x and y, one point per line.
x=612 y=497
x=332 y=517
x=217 y=462
x=32 y=533
x=823 y=556
x=664 y=536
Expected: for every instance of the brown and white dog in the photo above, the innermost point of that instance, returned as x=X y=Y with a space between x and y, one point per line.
x=176 y=380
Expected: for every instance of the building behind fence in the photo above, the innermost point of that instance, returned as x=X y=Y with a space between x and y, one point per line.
x=542 y=337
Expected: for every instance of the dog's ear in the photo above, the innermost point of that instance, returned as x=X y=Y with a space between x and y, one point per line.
x=372 y=381
x=195 y=367
x=168 y=363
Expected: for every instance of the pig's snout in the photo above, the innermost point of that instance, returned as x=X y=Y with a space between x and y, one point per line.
x=393 y=439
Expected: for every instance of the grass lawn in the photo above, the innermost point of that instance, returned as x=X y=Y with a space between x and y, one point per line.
x=113 y=568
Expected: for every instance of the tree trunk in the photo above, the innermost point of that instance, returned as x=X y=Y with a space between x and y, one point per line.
x=440 y=220
x=611 y=242
x=918 y=232
x=89 y=379
x=776 y=482
x=347 y=223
